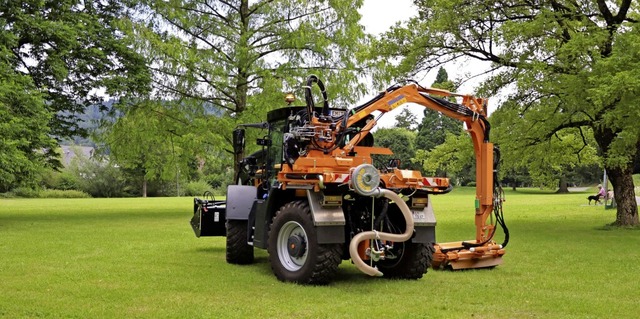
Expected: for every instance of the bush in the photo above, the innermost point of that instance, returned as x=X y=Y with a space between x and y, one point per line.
x=197 y=188
x=102 y=180
x=58 y=193
x=25 y=192
x=63 y=180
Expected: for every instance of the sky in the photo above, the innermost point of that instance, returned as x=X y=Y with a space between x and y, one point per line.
x=377 y=17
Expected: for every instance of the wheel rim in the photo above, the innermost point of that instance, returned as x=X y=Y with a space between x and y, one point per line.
x=291 y=263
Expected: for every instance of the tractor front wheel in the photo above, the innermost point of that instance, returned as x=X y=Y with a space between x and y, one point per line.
x=294 y=252
x=238 y=249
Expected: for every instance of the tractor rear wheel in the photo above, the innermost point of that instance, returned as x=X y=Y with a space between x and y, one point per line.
x=413 y=262
x=294 y=252
x=238 y=250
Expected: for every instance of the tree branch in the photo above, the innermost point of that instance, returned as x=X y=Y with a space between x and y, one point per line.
x=622 y=14
x=212 y=100
x=570 y=124
x=217 y=14
x=191 y=33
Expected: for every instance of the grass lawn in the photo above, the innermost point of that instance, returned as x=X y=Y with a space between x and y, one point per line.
x=117 y=258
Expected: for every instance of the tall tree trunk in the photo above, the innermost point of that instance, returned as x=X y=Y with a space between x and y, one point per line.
x=242 y=90
x=621 y=179
x=623 y=192
x=144 y=186
x=562 y=186
x=242 y=80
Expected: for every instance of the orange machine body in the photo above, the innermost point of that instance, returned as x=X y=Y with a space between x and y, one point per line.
x=317 y=168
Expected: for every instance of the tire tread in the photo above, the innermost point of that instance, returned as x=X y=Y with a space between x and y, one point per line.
x=238 y=251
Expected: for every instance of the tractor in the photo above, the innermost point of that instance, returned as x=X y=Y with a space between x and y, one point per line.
x=313 y=194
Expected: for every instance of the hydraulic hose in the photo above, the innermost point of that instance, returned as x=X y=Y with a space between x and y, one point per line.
x=368 y=235
x=309 y=97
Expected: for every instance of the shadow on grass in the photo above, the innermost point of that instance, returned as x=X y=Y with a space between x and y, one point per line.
x=611 y=227
x=532 y=191
x=346 y=274
x=347 y=277
x=90 y=217
x=211 y=250
x=352 y=276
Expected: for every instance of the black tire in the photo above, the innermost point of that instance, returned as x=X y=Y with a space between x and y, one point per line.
x=310 y=262
x=238 y=250
x=413 y=263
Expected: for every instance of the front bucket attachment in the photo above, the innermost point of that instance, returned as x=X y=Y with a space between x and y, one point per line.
x=456 y=256
x=208 y=217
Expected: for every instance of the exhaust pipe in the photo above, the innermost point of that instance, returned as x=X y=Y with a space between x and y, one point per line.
x=365 y=180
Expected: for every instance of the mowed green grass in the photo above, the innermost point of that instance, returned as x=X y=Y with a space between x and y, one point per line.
x=117 y=258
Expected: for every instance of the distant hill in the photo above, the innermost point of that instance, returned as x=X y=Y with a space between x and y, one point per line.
x=89 y=120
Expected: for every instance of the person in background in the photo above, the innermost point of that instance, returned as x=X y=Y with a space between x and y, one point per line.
x=602 y=193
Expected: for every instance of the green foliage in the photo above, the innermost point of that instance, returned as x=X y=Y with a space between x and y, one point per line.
x=161 y=141
x=217 y=172
x=64 y=179
x=406 y=120
x=434 y=129
x=453 y=158
x=25 y=192
x=442 y=78
x=58 y=193
x=69 y=50
x=197 y=188
x=154 y=140
x=98 y=178
x=102 y=180
x=440 y=145
x=400 y=141
x=546 y=162
x=26 y=146
x=55 y=56
x=233 y=61
x=568 y=68
x=434 y=126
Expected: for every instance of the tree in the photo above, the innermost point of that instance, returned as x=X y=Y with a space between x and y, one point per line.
x=23 y=115
x=157 y=141
x=442 y=78
x=569 y=65
x=71 y=50
x=549 y=163
x=453 y=158
x=55 y=59
x=435 y=126
x=406 y=119
x=97 y=177
x=241 y=56
x=401 y=142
